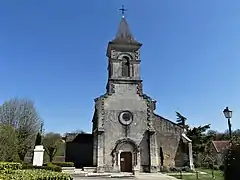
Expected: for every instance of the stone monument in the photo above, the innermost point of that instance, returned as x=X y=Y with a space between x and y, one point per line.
x=38 y=150
x=38 y=155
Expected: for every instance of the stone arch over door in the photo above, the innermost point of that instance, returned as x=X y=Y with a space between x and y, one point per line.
x=123 y=150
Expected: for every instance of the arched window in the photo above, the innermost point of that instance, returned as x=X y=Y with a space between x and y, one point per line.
x=125 y=67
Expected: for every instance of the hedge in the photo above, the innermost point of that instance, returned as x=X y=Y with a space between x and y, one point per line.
x=54 y=166
x=10 y=166
x=64 y=164
x=33 y=175
x=50 y=167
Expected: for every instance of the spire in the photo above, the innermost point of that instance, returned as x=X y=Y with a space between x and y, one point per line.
x=124 y=35
x=123 y=30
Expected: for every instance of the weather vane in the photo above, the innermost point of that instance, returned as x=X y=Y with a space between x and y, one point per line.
x=123 y=10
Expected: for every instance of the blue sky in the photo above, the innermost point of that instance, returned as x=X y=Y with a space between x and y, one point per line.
x=53 y=52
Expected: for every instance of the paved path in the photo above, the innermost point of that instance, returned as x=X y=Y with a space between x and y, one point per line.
x=154 y=176
x=144 y=176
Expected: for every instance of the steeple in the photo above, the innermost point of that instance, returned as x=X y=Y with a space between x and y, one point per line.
x=123 y=30
x=123 y=54
x=124 y=35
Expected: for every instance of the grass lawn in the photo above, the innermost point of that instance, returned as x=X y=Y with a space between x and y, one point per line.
x=193 y=176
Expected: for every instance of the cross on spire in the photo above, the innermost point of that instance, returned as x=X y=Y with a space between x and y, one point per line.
x=123 y=10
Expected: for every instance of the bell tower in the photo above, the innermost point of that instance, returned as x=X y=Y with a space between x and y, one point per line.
x=123 y=132
x=123 y=54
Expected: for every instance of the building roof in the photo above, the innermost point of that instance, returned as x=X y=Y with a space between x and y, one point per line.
x=221 y=146
x=124 y=30
x=70 y=137
x=124 y=35
x=165 y=119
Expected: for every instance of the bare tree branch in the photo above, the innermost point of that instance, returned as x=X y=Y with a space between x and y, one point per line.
x=23 y=117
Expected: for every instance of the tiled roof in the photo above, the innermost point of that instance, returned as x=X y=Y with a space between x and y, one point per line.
x=221 y=146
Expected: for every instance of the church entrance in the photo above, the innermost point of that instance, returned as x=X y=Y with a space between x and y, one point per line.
x=126 y=161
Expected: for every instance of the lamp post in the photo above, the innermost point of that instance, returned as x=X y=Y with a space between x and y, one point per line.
x=228 y=114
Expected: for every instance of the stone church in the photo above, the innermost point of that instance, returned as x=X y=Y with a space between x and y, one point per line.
x=127 y=135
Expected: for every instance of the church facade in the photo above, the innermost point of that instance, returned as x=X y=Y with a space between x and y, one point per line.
x=127 y=134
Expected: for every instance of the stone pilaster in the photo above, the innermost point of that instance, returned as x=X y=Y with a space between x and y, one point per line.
x=115 y=160
x=95 y=149
x=137 y=166
x=100 y=153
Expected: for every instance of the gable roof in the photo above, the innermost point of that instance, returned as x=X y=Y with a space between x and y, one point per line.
x=221 y=146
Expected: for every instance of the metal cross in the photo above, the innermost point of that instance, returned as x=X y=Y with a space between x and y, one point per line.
x=123 y=10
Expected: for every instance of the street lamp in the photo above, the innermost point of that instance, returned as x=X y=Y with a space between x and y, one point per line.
x=228 y=114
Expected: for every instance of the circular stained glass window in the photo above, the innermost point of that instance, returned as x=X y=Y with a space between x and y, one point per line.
x=125 y=117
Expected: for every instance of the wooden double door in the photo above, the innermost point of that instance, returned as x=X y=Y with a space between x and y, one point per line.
x=126 y=162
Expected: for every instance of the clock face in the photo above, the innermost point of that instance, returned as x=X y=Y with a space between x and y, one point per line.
x=125 y=118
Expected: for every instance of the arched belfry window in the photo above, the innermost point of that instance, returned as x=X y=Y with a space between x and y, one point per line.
x=125 y=66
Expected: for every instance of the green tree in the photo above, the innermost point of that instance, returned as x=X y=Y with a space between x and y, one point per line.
x=200 y=142
x=199 y=137
x=52 y=142
x=22 y=116
x=181 y=120
x=8 y=144
x=232 y=160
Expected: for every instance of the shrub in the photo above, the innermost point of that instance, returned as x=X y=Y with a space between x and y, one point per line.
x=33 y=175
x=221 y=167
x=196 y=164
x=64 y=164
x=215 y=167
x=212 y=166
x=53 y=167
x=232 y=162
x=10 y=166
x=178 y=169
x=174 y=169
x=186 y=169
x=49 y=167
x=27 y=166
x=164 y=169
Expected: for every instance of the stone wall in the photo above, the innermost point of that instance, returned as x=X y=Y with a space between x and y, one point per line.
x=168 y=138
x=125 y=98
